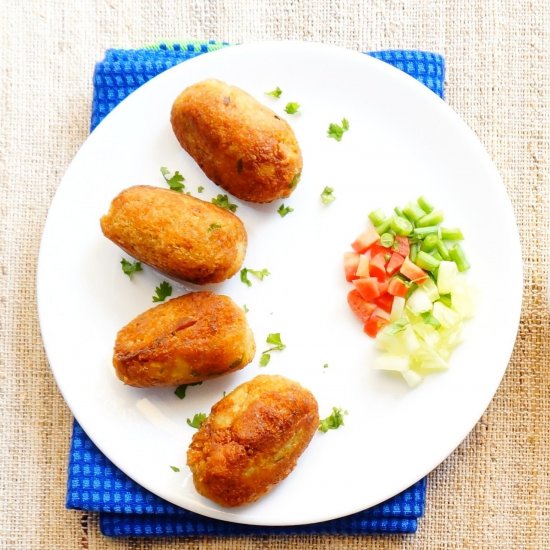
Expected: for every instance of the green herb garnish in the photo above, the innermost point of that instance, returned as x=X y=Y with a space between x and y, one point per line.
x=175 y=182
x=175 y=469
x=180 y=390
x=129 y=268
x=223 y=202
x=276 y=345
x=327 y=195
x=245 y=308
x=162 y=292
x=213 y=227
x=275 y=93
x=325 y=366
x=198 y=419
x=333 y=421
x=284 y=210
x=200 y=189
x=260 y=274
x=336 y=131
x=295 y=180
x=264 y=359
x=292 y=107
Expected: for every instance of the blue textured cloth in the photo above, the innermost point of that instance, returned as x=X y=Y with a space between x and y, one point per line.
x=94 y=483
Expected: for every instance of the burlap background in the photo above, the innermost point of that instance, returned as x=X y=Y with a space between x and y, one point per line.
x=494 y=491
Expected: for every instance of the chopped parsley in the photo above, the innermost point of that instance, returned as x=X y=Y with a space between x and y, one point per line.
x=292 y=107
x=325 y=366
x=200 y=189
x=276 y=345
x=333 y=421
x=129 y=268
x=275 y=93
x=245 y=307
x=198 y=419
x=180 y=390
x=284 y=210
x=162 y=292
x=327 y=195
x=336 y=131
x=175 y=469
x=260 y=274
x=213 y=227
x=223 y=202
x=175 y=182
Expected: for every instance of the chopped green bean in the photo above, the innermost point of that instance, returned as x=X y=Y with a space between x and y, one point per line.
x=384 y=226
x=423 y=231
x=429 y=242
x=377 y=217
x=425 y=205
x=433 y=218
x=414 y=251
x=459 y=258
x=425 y=261
x=386 y=239
x=451 y=234
x=401 y=226
x=413 y=212
x=442 y=249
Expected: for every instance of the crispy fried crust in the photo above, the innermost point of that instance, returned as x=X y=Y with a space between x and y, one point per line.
x=252 y=440
x=239 y=143
x=182 y=236
x=188 y=339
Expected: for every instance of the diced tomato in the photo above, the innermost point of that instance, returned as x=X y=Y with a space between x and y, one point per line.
x=377 y=267
x=413 y=272
x=395 y=263
x=351 y=261
x=360 y=306
x=384 y=301
x=368 y=288
x=402 y=246
x=374 y=324
x=397 y=287
x=382 y=286
x=377 y=248
x=365 y=240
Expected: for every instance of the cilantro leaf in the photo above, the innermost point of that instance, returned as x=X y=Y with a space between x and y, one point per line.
x=284 y=210
x=223 y=202
x=260 y=274
x=292 y=108
x=129 y=268
x=162 y=292
x=198 y=419
x=213 y=227
x=264 y=359
x=275 y=340
x=327 y=195
x=180 y=390
x=175 y=182
x=175 y=469
x=200 y=189
x=333 y=421
x=275 y=93
x=336 y=131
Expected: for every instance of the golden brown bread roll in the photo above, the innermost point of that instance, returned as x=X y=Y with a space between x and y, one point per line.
x=184 y=237
x=239 y=143
x=252 y=439
x=194 y=337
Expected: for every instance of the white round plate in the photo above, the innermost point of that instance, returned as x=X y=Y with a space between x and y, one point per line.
x=403 y=142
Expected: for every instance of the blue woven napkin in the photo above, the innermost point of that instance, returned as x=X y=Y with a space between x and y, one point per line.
x=94 y=483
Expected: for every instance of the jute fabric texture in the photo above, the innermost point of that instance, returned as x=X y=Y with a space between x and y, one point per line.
x=493 y=491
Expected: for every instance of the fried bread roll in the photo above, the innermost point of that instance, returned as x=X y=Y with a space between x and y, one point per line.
x=194 y=337
x=184 y=237
x=239 y=143
x=252 y=439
